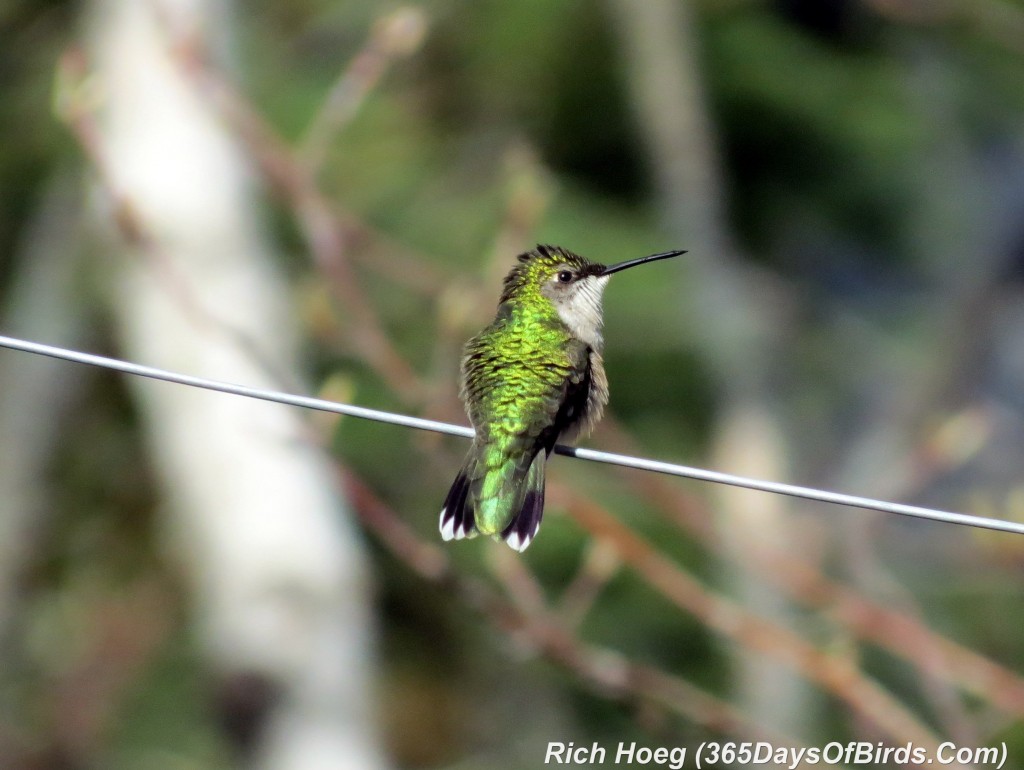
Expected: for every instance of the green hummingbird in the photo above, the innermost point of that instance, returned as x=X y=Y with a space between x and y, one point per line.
x=532 y=377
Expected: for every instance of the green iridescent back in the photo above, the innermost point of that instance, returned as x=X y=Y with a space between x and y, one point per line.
x=515 y=375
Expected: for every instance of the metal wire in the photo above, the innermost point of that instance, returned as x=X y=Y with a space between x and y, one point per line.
x=655 y=466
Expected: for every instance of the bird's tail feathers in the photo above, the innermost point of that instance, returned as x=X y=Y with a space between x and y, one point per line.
x=503 y=493
x=457 y=520
x=524 y=525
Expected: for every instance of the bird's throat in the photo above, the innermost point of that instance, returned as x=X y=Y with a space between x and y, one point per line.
x=583 y=313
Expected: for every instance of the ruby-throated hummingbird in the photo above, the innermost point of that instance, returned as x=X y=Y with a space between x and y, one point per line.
x=533 y=376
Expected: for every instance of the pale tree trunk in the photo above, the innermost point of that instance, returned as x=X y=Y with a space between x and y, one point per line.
x=280 y=577
x=733 y=316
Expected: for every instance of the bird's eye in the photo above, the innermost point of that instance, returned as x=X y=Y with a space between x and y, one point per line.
x=565 y=276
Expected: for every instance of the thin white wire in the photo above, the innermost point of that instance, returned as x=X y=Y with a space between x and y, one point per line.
x=639 y=463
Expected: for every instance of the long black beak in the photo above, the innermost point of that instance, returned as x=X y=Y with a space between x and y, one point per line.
x=642 y=260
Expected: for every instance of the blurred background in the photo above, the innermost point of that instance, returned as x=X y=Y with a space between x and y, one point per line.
x=323 y=197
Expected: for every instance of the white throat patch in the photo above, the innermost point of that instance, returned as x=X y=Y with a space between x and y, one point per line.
x=581 y=310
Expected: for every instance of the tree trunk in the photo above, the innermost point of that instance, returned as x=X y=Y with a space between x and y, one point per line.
x=279 y=575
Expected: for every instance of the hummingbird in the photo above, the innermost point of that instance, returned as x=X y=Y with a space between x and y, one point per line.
x=532 y=377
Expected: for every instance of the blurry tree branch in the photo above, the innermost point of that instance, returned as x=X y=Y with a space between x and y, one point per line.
x=329 y=235
x=607 y=672
x=833 y=674
x=76 y=105
x=804 y=582
x=397 y=34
